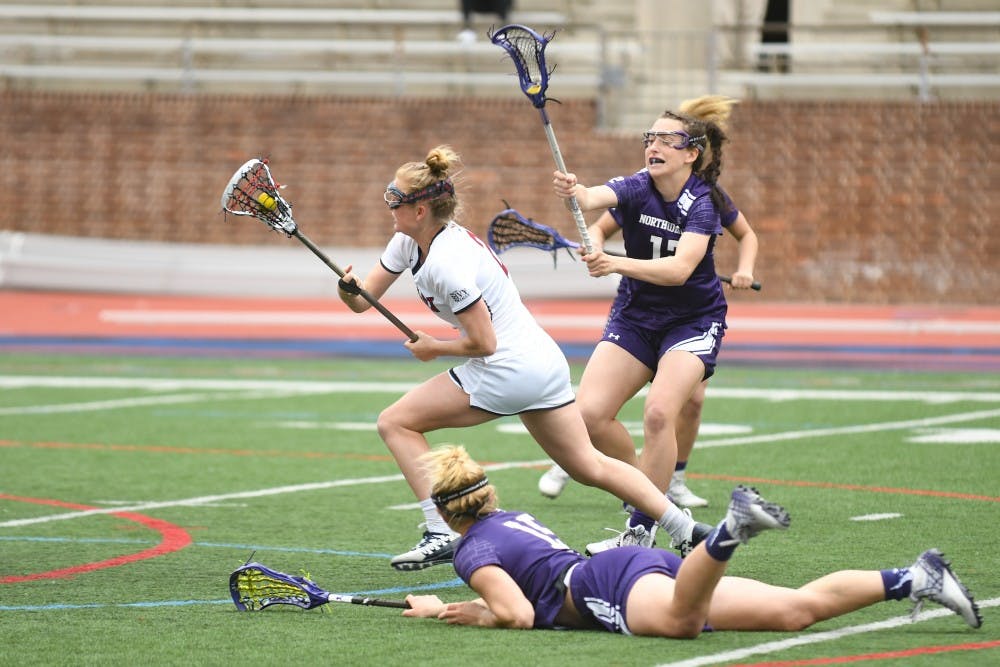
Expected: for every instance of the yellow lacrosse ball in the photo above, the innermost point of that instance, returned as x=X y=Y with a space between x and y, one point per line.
x=267 y=201
x=534 y=89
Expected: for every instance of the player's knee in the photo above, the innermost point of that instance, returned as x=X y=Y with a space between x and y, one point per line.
x=687 y=627
x=794 y=619
x=595 y=420
x=655 y=419
x=386 y=422
x=692 y=409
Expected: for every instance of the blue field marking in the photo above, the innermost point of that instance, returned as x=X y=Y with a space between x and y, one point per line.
x=249 y=548
x=219 y=545
x=397 y=590
x=861 y=355
x=96 y=605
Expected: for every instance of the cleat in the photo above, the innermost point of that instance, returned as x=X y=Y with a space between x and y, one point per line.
x=432 y=549
x=933 y=580
x=552 y=483
x=749 y=514
x=632 y=536
x=699 y=531
x=680 y=495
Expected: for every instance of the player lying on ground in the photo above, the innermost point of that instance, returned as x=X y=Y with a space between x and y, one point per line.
x=527 y=578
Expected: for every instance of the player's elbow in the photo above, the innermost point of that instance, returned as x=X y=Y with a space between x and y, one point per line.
x=515 y=616
x=482 y=346
x=518 y=620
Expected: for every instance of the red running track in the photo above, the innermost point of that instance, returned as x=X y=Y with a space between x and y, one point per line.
x=910 y=337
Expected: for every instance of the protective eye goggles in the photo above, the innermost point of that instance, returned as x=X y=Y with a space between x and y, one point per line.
x=394 y=197
x=678 y=140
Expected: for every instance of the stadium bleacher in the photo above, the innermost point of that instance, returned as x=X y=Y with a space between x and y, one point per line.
x=372 y=47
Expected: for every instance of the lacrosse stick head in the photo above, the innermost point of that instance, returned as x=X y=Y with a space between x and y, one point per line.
x=254 y=587
x=527 y=49
x=251 y=191
x=509 y=229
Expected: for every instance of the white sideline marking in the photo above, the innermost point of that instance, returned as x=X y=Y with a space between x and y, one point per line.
x=177 y=384
x=405 y=506
x=861 y=428
x=113 y=404
x=260 y=493
x=314 y=387
x=930 y=397
x=876 y=517
x=816 y=638
x=958 y=436
x=336 y=426
x=635 y=428
x=114 y=503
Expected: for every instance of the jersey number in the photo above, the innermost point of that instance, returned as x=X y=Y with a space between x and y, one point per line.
x=659 y=250
x=527 y=524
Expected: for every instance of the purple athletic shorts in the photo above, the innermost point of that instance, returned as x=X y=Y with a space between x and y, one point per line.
x=601 y=584
x=702 y=337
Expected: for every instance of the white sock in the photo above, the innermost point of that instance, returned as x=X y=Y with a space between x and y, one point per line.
x=435 y=524
x=676 y=522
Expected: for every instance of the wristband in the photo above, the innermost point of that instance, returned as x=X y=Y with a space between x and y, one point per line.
x=350 y=288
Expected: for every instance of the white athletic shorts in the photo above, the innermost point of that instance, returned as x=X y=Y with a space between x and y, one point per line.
x=537 y=379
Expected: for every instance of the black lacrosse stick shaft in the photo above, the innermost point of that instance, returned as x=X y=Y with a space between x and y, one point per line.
x=364 y=293
x=375 y=602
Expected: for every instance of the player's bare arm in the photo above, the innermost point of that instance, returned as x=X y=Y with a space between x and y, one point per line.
x=673 y=270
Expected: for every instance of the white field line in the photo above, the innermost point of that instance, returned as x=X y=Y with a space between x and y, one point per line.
x=188 y=384
x=314 y=387
x=847 y=430
x=260 y=493
x=239 y=318
x=816 y=638
x=113 y=404
x=779 y=395
x=775 y=437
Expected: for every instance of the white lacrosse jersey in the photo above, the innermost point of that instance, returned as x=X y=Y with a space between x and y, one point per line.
x=528 y=371
x=460 y=269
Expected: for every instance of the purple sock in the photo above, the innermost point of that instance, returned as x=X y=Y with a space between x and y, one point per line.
x=640 y=519
x=898 y=583
x=716 y=550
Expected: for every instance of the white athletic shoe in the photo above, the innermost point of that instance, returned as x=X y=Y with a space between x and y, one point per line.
x=552 y=483
x=432 y=549
x=681 y=495
x=631 y=536
x=749 y=514
x=934 y=580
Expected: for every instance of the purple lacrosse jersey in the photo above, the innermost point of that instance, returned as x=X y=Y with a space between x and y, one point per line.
x=529 y=552
x=651 y=228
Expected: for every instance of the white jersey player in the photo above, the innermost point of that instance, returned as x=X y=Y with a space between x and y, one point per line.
x=528 y=370
x=513 y=366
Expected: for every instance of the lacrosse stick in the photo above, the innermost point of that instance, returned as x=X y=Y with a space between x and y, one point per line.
x=252 y=192
x=510 y=229
x=255 y=587
x=527 y=49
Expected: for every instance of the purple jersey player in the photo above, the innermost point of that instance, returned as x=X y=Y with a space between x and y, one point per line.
x=668 y=319
x=554 y=480
x=527 y=578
